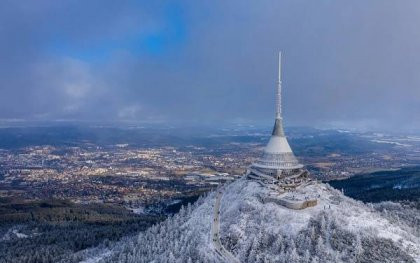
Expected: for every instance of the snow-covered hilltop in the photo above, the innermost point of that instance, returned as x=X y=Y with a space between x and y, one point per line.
x=338 y=229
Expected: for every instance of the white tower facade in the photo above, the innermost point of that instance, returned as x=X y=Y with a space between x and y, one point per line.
x=278 y=158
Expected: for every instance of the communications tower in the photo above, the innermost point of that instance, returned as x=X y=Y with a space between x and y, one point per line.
x=278 y=164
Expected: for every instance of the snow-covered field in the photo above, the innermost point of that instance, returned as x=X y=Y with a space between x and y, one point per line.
x=338 y=229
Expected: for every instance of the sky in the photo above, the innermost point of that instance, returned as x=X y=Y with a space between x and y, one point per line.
x=350 y=64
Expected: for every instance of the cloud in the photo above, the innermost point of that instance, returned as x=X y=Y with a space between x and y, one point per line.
x=344 y=62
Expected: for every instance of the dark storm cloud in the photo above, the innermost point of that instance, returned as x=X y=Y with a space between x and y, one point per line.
x=349 y=63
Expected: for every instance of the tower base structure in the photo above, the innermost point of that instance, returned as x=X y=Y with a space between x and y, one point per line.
x=283 y=180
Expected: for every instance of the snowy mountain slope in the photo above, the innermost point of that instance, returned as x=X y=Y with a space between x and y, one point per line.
x=338 y=229
x=331 y=231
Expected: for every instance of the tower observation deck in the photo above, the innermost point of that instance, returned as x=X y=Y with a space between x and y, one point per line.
x=278 y=163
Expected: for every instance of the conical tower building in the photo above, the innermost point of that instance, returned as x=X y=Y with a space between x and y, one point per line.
x=277 y=160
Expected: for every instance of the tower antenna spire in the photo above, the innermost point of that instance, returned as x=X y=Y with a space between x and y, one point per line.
x=278 y=97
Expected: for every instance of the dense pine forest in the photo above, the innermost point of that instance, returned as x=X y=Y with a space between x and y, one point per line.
x=54 y=230
x=401 y=185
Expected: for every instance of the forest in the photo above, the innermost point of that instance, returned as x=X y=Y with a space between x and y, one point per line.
x=399 y=185
x=183 y=238
x=54 y=230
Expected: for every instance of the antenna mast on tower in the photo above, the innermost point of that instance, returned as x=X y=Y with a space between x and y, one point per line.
x=278 y=98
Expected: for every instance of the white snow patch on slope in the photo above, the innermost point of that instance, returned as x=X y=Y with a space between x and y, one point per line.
x=13 y=232
x=95 y=259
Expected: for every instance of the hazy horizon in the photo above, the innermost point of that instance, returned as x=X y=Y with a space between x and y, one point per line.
x=194 y=126
x=347 y=65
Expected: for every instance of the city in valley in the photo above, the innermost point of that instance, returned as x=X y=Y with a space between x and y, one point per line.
x=133 y=169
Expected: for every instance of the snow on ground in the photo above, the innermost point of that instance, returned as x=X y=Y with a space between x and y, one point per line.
x=139 y=210
x=97 y=258
x=241 y=203
x=391 y=142
x=357 y=217
x=13 y=232
x=243 y=214
x=338 y=229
